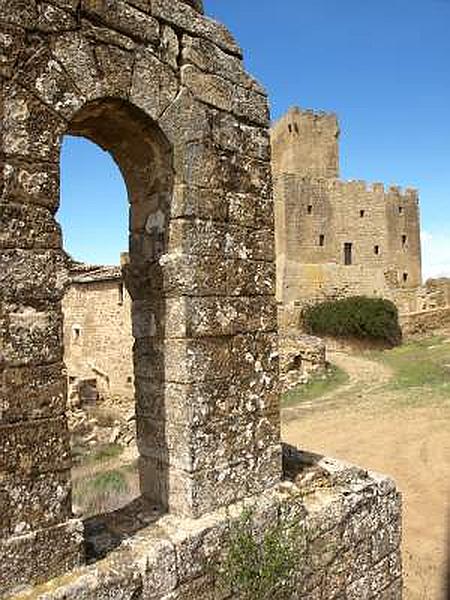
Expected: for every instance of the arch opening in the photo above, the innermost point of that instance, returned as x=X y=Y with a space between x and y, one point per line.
x=130 y=296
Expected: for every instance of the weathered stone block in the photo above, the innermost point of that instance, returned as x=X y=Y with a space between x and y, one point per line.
x=194 y=494
x=29 y=503
x=96 y=33
x=12 y=41
x=185 y=274
x=190 y=201
x=149 y=359
x=198 y=359
x=196 y=237
x=119 y=15
x=250 y=278
x=19 y=12
x=76 y=55
x=30 y=183
x=226 y=95
x=159 y=571
x=231 y=134
x=23 y=227
x=52 y=19
x=186 y=120
x=200 y=317
x=208 y=57
x=151 y=74
x=47 y=79
x=29 y=336
x=198 y=403
x=116 y=67
x=32 y=278
x=60 y=550
x=35 y=447
x=255 y=244
x=183 y=17
x=26 y=131
x=30 y=393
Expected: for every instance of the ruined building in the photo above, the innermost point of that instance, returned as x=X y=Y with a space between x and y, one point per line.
x=337 y=238
x=161 y=87
x=98 y=340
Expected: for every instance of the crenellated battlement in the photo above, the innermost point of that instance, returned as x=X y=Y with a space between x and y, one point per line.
x=406 y=195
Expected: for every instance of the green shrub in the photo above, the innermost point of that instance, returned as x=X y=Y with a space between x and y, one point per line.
x=256 y=567
x=355 y=317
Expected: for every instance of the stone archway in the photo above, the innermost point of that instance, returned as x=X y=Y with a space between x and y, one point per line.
x=163 y=89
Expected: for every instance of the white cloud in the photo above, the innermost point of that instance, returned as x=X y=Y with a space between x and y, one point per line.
x=435 y=254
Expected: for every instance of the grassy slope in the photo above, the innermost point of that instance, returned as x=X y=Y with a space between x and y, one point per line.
x=316 y=387
x=421 y=369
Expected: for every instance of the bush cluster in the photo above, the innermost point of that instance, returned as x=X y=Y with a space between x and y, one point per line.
x=355 y=317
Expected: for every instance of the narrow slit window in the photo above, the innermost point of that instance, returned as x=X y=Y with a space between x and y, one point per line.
x=290 y=128
x=348 y=246
x=376 y=249
x=120 y=289
x=405 y=277
x=400 y=210
x=309 y=209
x=76 y=333
x=296 y=127
x=362 y=213
x=321 y=239
x=404 y=240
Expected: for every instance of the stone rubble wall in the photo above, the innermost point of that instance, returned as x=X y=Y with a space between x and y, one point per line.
x=349 y=532
x=301 y=357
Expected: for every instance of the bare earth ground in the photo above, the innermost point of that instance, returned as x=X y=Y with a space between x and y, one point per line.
x=364 y=423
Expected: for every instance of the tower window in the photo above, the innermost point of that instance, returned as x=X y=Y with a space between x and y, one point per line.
x=290 y=128
x=400 y=210
x=120 y=289
x=405 y=277
x=404 y=240
x=309 y=209
x=376 y=249
x=76 y=333
x=321 y=239
x=362 y=213
x=348 y=253
x=296 y=127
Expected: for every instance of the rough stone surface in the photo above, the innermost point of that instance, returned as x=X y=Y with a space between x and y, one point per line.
x=349 y=529
x=200 y=277
x=301 y=356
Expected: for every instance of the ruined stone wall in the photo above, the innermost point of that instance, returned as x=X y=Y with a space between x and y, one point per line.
x=348 y=532
x=98 y=340
x=317 y=216
x=164 y=90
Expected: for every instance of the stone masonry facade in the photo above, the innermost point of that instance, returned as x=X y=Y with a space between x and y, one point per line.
x=336 y=238
x=97 y=334
x=163 y=89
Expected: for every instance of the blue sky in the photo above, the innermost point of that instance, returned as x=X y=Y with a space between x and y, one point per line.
x=383 y=66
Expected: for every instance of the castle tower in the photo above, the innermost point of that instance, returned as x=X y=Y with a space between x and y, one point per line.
x=306 y=143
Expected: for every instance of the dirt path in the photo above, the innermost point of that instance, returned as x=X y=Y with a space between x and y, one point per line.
x=364 y=374
x=363 y=423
